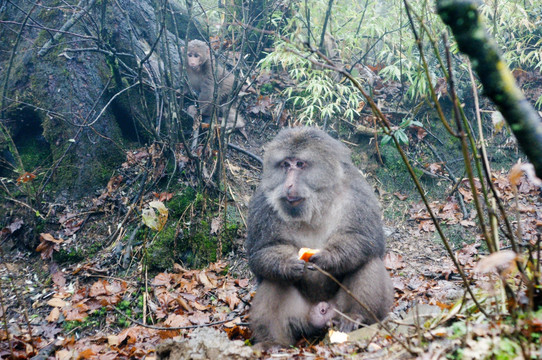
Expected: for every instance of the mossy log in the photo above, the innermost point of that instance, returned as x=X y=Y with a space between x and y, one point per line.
x=466 y=23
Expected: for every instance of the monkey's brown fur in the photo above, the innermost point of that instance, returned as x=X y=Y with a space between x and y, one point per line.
x=203 y=74
x=311 y=195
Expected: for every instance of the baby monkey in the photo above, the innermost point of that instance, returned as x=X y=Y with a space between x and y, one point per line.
x=205 y=77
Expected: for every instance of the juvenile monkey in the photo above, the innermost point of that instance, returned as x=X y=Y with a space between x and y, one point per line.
x=203 y=74
x=311 y=195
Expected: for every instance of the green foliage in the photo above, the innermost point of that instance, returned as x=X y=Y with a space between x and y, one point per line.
x=380 y=34
x=33 y=154
x=159 y=253
x=400 y=133
x=69 y=325
x=516 y=28
x=394 y=175
x=75 y=255
x=317 y=94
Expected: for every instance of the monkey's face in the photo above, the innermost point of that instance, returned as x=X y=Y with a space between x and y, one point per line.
x=197 y=53
x=303 y=174
x=195 y=59
x=294 y=194
x=297 y=189
x=321 y=314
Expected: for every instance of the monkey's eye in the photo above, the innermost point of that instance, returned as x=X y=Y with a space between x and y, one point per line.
x=300 y=164
x=285 y=164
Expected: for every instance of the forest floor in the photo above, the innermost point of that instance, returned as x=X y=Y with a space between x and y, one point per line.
x=93 y=309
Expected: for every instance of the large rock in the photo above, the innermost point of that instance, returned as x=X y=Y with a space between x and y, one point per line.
x=60 y=85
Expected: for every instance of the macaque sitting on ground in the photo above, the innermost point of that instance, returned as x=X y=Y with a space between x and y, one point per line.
x=205 y=76
x=311 y=195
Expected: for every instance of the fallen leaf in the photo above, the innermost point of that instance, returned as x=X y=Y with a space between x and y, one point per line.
x=86 y=354
x=216 y=224
x=393 y=261
x=337 y=337
x=242 y=282
x=501 y=261
x=155 y=221
x=175 y=320
x=202 y=277
x=56 y=302
x=26 y=177
x=14 y=226
x=113 y=340
x=58 y=278
x=53 y=315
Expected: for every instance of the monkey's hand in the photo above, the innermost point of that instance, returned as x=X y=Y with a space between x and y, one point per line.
x=293 y=269
x=322 y=259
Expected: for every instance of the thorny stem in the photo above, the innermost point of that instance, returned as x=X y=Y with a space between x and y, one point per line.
x=426 y=70
x=465 y=151
x=487 y=171
x=386 y=126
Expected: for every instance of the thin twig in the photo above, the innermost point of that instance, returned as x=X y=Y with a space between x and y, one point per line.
x=415 y=351
x=167 y=327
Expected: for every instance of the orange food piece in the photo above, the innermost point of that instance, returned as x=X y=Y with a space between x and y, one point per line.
x=306 y=253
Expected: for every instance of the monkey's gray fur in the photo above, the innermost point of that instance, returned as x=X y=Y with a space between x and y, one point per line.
x=311 y=195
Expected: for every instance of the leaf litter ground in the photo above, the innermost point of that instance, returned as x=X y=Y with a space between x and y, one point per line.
x=91 y=309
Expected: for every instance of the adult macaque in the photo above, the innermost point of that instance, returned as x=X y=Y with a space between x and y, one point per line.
x=311 y=195
x=205 y=76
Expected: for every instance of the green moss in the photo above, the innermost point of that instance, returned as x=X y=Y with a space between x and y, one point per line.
x=194 y=246
x=180 y=202
x=266 y=89
x=160 y=254
x=69 y=256
x=395 y=176
x=33 y=153
x=72 y=256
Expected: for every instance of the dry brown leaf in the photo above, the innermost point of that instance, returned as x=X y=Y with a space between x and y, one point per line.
x=76 y=312
x=242 y=282
x=113 y=340
x=216 y=224
x=49 y=237
x=175 y=320
x=199 y=318
x=179 y=269
x=203 y=279
x=56 y=302
x=64 y=355
x=501 y=261
x=232 y=323
x=86 y=354
x=393 y=261
x=98 y=288
x=199 y=306
x=162 y=279
x=59 y=279
x=53 y=315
